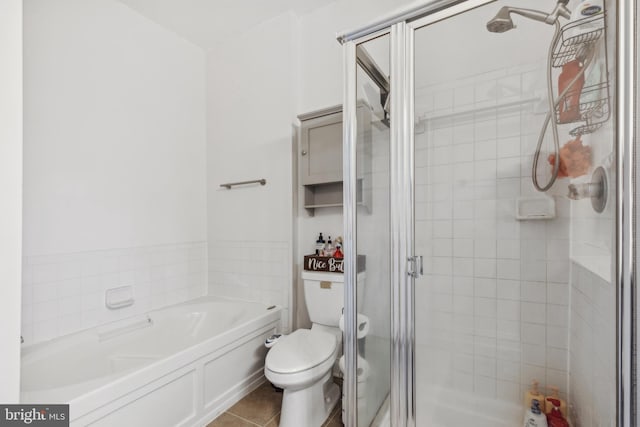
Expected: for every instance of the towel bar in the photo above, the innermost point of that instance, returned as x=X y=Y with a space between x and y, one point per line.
x=233 y=184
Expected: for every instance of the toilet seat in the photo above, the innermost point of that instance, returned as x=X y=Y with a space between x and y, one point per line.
x=301 y=351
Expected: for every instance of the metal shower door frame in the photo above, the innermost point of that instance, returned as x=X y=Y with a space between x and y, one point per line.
x=402 y=27
x=401 y=225
x=349 y=178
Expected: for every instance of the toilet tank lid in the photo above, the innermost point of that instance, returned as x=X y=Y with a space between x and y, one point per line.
x=329 y=277
x=304 y=349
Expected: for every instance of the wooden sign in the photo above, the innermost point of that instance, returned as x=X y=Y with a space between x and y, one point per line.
x=323 y=263
x=329 y=264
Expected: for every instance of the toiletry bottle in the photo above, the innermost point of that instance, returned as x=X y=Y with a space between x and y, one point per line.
x=569 y=107
x=555 y=394
x=533 y=394
x=586 y=9
x=555 y=417
x=338 y=253
x=534 y=417
x=328 y=248
x=320 y=245
x=583 y=18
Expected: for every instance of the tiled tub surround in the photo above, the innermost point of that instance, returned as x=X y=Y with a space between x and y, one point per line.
x=64 y=293
x=252 y=271
x=495 y=297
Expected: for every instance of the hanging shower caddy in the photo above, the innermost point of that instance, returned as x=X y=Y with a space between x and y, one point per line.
x=579 y=40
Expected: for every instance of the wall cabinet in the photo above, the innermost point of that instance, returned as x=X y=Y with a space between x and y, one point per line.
x=320 y=156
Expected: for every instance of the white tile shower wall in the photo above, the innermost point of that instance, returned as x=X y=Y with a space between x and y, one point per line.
x=253 y=271
x=592 y=353
x=494 y=311
x=592 y=236
x=65 y=293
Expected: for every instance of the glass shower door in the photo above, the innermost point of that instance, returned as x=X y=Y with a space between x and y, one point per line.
x=518 y=285
x=526 y=237
x=372 y=231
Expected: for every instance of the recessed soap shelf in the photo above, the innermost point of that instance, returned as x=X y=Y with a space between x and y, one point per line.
x=535 y=208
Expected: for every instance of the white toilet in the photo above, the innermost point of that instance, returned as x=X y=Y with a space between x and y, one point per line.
x=302 y=363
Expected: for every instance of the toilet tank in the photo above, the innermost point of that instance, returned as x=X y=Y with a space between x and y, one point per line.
x=324 y=295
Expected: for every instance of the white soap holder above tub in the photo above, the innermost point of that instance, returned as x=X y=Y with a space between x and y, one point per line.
x=120 y=297
x=534 y=208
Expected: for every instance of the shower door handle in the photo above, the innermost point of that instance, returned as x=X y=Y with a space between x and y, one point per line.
x=416 y=269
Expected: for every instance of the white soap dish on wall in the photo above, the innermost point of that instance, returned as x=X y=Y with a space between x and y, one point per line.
x=535 y=208
x=120 y=297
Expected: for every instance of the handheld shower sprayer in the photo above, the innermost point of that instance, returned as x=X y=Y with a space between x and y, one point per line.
x=502 y=22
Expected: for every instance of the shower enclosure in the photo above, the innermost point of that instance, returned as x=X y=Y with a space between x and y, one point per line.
x=497 y=220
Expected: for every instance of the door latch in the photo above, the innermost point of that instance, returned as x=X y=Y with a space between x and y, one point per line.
x=415 y=268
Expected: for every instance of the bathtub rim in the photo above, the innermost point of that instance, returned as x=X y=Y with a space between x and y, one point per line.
x=27 y=349
x=85 y=397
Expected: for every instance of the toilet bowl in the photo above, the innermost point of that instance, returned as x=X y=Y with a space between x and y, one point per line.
x=301 y=364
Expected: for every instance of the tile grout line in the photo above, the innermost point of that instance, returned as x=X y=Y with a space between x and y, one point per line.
x=244 y=419
x=273 y=418
x=333 y=415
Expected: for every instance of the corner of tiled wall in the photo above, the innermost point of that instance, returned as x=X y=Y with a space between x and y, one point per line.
x=592 y=355
x=65 y=293
x=252 y=271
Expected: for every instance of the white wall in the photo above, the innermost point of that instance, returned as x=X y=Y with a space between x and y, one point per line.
x=251 y=82
x=115 y=133
x=114 y=164
x=11 y=194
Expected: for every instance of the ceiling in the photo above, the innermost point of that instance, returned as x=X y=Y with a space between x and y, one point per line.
x=209 y=22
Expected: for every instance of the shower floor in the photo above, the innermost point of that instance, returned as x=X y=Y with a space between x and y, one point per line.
x=439 y=407
x=452 y=408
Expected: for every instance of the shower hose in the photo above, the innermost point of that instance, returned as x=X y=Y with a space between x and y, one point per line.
x=552 y=108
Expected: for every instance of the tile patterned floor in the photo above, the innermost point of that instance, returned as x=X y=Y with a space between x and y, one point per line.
x=261 y=408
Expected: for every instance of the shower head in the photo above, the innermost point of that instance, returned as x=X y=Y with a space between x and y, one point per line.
x=502 y=21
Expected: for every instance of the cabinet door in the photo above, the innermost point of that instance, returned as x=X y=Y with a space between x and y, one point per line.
x=321 y=149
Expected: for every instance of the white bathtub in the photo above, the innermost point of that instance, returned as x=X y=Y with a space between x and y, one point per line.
x=177 y=366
